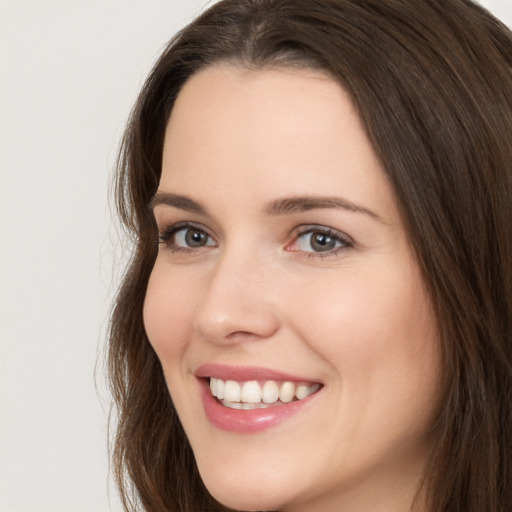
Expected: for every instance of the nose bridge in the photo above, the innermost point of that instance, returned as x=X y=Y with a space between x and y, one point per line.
x=237 y=302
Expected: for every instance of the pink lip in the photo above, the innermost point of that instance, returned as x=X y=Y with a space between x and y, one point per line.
x=245 y=373
x=246 y=421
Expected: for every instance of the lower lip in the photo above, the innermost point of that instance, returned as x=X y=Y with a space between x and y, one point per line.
x=247 y=421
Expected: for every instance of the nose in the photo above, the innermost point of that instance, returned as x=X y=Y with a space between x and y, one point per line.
x=237 y=303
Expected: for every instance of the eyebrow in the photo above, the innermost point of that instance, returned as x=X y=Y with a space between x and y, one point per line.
x=302 y=204
x=176 y=201
x=283 y=206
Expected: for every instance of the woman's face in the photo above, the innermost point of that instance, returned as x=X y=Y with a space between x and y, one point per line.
x=284 y=271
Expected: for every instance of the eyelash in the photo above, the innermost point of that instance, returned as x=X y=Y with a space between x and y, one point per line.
x=339 y=238
x=166 y=237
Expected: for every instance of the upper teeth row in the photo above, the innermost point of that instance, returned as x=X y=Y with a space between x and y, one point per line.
x=252 y=392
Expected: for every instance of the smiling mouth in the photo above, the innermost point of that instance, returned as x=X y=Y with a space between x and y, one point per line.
x=255 y=394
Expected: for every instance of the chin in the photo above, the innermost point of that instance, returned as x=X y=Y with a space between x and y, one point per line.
x=247 y=494
x=251 y=501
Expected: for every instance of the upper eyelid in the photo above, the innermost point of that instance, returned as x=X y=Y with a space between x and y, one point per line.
x=182 y=225
x=164 y=223
x=168 y=215
x=178 y=226
x=311 y=228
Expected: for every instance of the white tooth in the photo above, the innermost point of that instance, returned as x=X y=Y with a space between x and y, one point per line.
x=270 y=392
x=287 y=392
x=250 y=407
x=220 y=389
x=251 y=392
x=232 y=405
x=232 y=391
x=213 y=386
x=302 y=391
x=314 y=388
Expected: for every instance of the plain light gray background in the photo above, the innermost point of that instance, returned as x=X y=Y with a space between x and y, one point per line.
x=69 y=72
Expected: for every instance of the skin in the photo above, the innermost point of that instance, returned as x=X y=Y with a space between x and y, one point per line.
x=356 y=318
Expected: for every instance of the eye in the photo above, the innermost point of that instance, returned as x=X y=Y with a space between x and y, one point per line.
x=320 y=240
x=191 y=237
x=186 y=237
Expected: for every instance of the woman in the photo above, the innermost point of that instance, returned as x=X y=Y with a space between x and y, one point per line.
x=318 y=311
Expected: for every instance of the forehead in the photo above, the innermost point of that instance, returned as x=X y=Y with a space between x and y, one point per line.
x=282 y=131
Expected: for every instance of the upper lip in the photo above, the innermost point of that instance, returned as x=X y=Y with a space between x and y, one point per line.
x=246 y=373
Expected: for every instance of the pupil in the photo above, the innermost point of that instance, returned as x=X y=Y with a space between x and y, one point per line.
x=195 y=238
x=322 y=242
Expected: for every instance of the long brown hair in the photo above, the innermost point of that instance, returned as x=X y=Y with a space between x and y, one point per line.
x=432 y=81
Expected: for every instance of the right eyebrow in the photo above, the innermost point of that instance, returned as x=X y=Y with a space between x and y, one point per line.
x=176 y=201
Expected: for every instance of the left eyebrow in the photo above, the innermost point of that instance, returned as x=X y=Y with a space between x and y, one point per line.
x=289 y=205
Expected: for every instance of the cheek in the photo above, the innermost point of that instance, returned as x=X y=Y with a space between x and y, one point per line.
x=168 y=310
x=356 y=312
x=378 y=333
